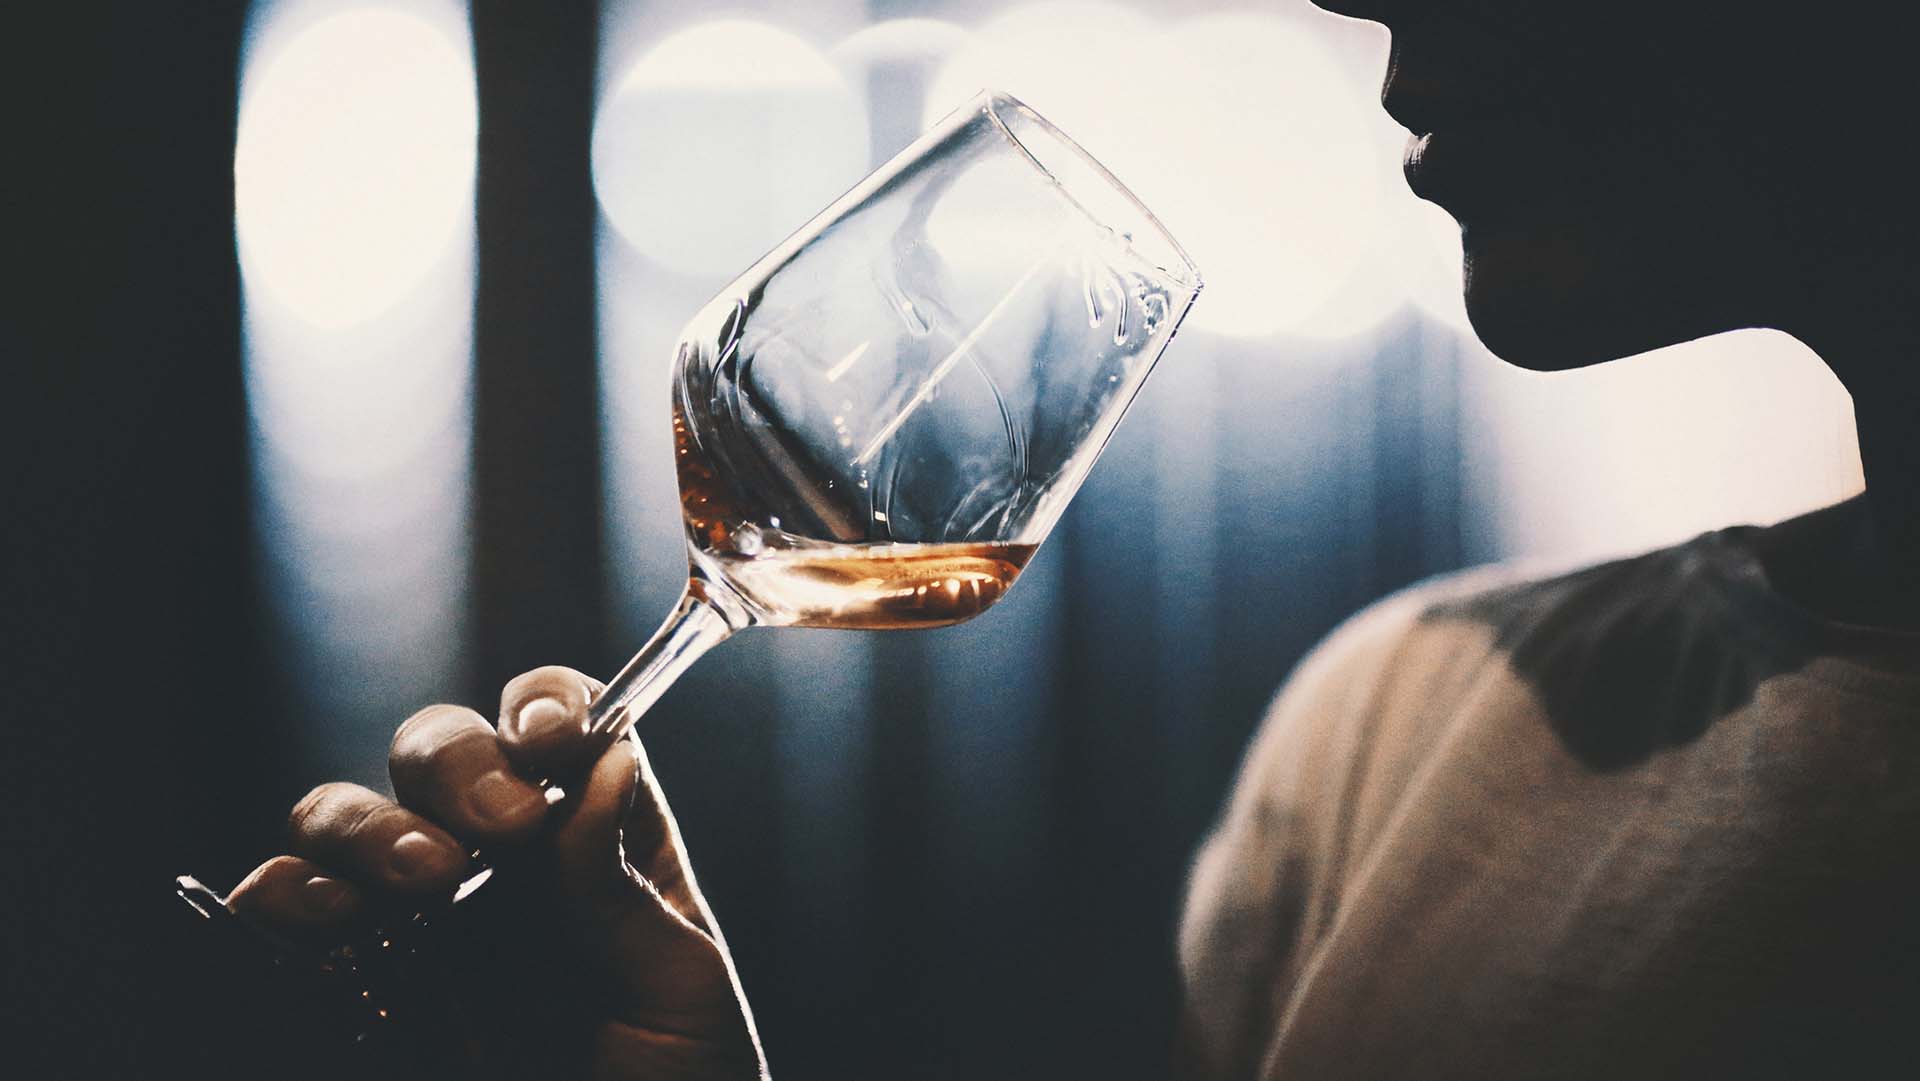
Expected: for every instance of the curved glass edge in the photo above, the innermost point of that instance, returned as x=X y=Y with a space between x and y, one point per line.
x=998 y=105
x=993 y=104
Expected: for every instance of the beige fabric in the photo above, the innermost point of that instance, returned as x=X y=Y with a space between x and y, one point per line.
x=1645 y=820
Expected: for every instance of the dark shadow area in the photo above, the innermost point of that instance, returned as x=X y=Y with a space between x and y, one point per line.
x=537 y=593
x=133 y=722
x=1641 y=654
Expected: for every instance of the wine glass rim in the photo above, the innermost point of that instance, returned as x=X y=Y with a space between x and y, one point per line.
x=992 y=101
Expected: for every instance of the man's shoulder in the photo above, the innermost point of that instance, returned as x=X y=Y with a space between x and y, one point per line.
x=1397 y=660
x=1617 y=658
x=1532 y=598
x=1393 y=625
x=1571 y=630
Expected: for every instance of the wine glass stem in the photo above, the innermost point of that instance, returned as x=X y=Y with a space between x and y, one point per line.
x=696 y=625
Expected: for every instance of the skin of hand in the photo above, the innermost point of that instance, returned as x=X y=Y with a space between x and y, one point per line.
x=596 y=957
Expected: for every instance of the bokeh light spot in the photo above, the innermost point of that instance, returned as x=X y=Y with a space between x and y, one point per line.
x=1244 y=133
x=353 y=163
x=721 y=141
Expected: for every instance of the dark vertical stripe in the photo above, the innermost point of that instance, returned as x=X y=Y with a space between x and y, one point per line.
x=135 y=737
x=1416 y=458
x=1396 y=509
x=537 y=589
x=907 y=1001
x=1445 y=464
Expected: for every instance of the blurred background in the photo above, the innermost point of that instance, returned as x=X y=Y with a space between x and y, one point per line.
x=343 y=342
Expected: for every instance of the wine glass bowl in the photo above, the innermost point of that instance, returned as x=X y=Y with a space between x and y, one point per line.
x=877 y=424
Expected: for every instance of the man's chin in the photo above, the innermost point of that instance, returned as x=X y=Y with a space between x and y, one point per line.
x=1528 y=337
x=1537 y=305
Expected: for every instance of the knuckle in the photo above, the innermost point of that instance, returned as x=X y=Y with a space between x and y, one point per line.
x=264 y=888
x=430 y=731
x=333 y=813
x=312 y=813
x=282 y=866
x=365 y=817
x=251 y=884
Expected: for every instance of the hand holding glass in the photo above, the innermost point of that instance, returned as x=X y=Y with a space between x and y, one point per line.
x=876 y=425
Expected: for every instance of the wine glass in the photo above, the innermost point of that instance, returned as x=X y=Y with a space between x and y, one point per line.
x=877 y=424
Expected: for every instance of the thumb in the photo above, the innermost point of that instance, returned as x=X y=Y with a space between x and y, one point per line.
x=586 y=840
x=619 y=860
x=620 y=828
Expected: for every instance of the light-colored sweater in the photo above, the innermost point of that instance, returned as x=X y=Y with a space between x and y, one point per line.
x=1645 y=820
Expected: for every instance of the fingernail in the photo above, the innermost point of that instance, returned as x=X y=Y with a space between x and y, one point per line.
x=324 y=896
x=417 y=855
x=541 y=715
x=497 y=797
